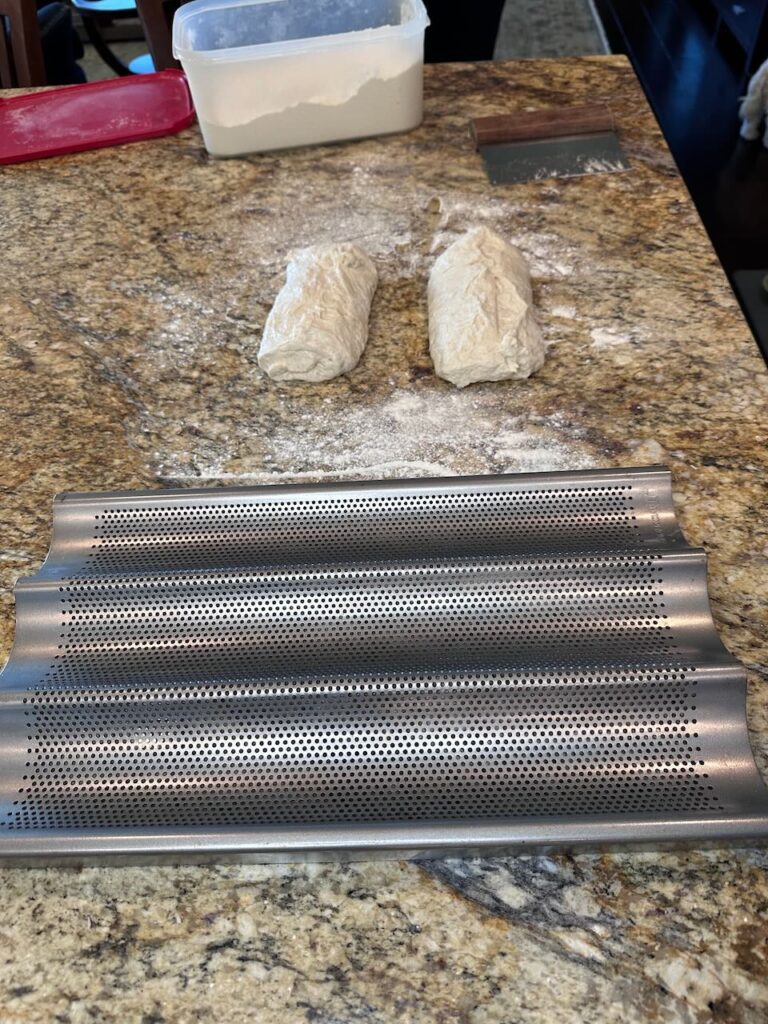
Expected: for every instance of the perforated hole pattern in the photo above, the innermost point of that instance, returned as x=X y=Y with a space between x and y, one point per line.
x=363 y=660
x=204 y=625
x=405 y=748
x=247 y=533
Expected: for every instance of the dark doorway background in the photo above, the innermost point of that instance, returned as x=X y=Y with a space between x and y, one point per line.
x=694 y=59
x=461 y=31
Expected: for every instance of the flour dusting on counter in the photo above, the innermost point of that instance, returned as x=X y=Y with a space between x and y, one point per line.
x=608 y=337
x=563 y=312
x=407 y=433
x=404 y=238
x=549 y=255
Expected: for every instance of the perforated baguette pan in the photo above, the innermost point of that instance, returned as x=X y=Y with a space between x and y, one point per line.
x=402 y=668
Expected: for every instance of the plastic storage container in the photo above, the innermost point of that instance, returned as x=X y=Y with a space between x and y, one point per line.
x=266 y=74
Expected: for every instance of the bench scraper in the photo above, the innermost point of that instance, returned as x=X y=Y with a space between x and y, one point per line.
x=539 y=144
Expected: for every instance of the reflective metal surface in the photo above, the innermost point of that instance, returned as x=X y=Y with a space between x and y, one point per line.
x=569 y=157
x=388 y=668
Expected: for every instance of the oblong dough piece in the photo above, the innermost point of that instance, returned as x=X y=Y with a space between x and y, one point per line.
x=481 y=320
x=318 y=325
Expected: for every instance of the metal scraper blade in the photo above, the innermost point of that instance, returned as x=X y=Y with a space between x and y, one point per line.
x=564 y=157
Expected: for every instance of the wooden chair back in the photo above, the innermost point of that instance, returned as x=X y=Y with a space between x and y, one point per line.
x=21 y=50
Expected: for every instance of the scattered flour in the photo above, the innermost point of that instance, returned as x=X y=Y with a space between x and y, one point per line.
x=548 y=254
x=563 y=312
x=608 y=337
x=383 y=226
x=459 y=210
x=592 y=166
x=597 y=166
x=26 y=122
x=406 y=433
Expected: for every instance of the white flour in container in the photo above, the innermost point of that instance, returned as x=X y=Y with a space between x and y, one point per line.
x=379 y=106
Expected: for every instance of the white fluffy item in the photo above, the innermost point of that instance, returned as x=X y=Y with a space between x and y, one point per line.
x=754 y=106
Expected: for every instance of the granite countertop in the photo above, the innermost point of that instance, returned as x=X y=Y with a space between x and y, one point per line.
x=136 y=284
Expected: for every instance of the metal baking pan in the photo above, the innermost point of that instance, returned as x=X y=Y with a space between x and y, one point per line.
x=403 y=668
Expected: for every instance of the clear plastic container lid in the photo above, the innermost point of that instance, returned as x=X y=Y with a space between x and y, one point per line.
x=225 y=30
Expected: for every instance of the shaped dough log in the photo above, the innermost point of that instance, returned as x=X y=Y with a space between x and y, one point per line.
x=481 y=321
x=318 y=325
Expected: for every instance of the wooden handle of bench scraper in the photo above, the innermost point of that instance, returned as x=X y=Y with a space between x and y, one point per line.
x=525 y=125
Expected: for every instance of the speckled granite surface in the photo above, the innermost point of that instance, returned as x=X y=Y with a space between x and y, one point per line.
x=136 y=283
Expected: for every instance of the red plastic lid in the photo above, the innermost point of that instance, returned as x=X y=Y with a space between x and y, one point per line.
x=93 y=115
